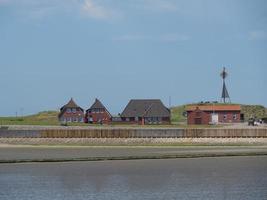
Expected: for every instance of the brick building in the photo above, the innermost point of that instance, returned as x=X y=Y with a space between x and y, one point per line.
x=146 y=111
x=71 y=112
x=97 y=113
x=213 y=114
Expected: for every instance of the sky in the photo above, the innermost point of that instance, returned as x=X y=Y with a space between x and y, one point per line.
x=117 y=50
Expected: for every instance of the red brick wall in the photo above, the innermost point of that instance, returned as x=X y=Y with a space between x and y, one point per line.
x=99 y=116
x=206 y=117
x=229 y=117
x=67 y=115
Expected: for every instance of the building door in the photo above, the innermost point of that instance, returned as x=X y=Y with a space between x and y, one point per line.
x=214 y=118
x=242 y=117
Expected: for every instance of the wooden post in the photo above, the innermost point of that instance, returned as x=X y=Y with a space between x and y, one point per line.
x=143 y=121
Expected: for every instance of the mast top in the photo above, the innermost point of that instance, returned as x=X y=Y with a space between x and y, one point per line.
x=224 y=74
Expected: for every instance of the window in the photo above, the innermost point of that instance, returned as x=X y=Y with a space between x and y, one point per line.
x=74 y=110
x=235 y=116
x=68 y=110
x=225 y=116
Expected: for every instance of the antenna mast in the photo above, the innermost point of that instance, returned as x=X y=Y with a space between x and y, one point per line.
x=225 y=94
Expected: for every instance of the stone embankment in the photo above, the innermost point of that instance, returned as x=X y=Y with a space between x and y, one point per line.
x=53 y=144
x=134 y=141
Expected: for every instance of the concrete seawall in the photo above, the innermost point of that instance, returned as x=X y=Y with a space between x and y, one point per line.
x=136 y=133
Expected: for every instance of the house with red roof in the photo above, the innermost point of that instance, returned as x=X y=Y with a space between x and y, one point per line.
x=71 y=112
x=97 y=113
x=213 y=113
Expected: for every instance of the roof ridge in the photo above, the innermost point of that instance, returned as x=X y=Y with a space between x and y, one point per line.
x=71 y=103
x=144 y=99
x=145 y=107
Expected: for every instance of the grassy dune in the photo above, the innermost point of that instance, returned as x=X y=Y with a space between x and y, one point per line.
x=41 y=118
x=177 y=114
x=253 y=110
x=248 y=110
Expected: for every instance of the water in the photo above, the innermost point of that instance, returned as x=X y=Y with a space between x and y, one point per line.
x=200 y=178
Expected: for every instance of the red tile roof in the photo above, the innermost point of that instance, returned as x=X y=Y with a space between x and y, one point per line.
x=214 y=107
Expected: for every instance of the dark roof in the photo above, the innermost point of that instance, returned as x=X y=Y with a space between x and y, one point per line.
x=70 y=104
x=98 y=104
x=145 y=108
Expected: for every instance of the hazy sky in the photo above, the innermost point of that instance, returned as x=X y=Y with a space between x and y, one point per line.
x=52 y=50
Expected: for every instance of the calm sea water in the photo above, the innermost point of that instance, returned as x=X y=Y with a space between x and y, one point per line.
x=201 y=178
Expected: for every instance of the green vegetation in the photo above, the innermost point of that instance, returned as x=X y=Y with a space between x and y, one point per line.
x=177 y=114
x=177 y=117
x=248 y=111
x=41 y=118
x=257 y=111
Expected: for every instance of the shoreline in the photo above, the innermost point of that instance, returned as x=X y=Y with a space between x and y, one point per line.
x=165 y=157
x=50 y=153
x=41 y=150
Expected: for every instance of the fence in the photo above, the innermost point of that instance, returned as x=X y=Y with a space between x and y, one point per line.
x=135 y=133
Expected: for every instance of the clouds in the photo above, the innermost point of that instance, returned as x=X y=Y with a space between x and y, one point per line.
x=91 y=9
x=95 y=11
x=39 y=9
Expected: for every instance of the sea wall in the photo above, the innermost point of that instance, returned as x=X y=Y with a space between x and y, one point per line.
x=6 y=142
x=136 y=133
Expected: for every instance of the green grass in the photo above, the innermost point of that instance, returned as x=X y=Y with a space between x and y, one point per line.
x=177 y=118
x=248 y=110
x=177 y=114
x=49 y=118
x=41 y=118
x=253 y=111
